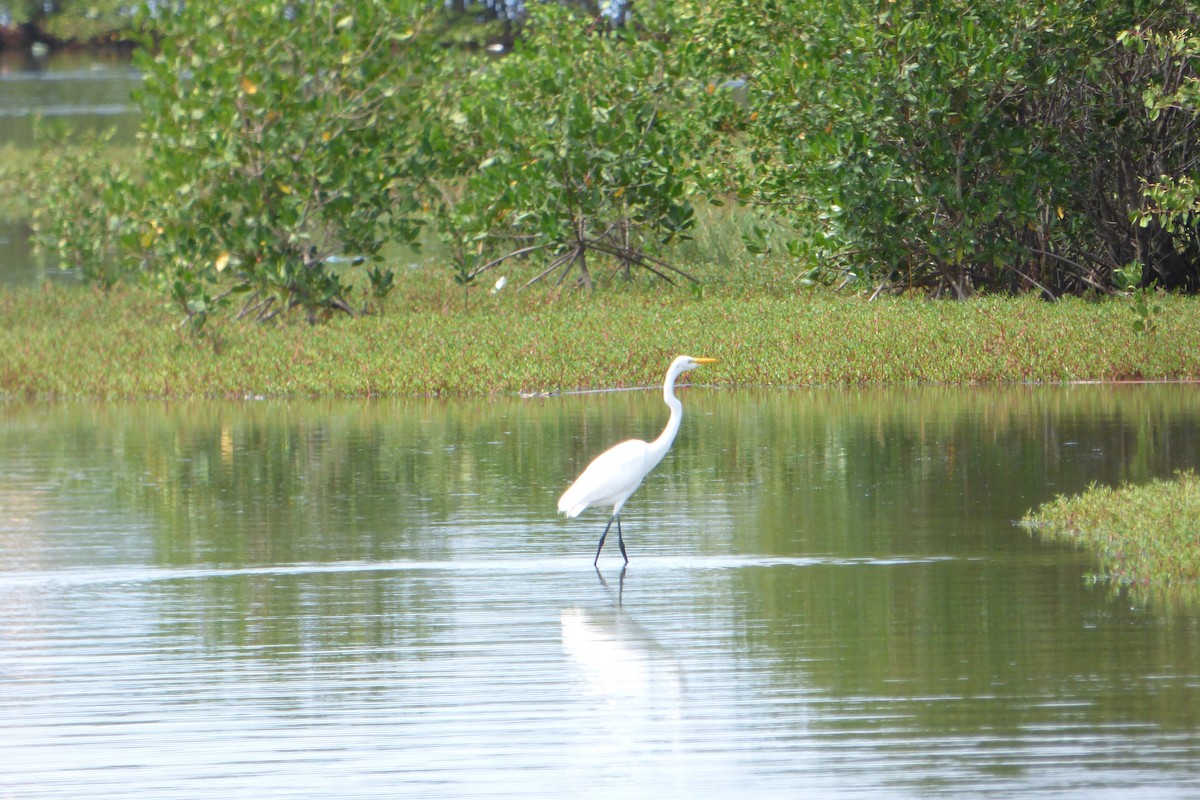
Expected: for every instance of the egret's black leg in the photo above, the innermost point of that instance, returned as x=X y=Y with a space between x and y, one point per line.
x=621 y=540
x=604 y=535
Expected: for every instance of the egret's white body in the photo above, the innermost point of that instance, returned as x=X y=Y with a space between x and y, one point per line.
x=616 y=473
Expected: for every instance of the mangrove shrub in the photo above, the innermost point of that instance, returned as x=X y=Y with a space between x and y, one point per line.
x=78 y=201
x=958 y=146
x=277 y=144
x=579 y=146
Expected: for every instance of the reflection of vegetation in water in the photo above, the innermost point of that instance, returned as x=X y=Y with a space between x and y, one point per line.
x=277 y=483
x=930 y=480
x=312 y=618
x=831 y=471
x=896 y=475
x=910 y=477
x=274 y=482
x=330 y=482
x=944 y=647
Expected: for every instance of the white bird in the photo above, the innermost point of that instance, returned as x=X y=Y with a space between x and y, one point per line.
x=616 y=473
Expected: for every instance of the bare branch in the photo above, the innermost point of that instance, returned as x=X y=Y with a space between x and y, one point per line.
x=496 y=262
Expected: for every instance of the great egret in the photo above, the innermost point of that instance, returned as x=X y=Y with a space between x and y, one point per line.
x=616 y=473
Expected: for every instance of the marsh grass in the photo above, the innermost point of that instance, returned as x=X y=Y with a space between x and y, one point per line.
x=1147 y=537
x=74 y=342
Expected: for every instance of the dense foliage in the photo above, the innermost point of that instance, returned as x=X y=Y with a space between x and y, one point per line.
x=1167 y=198
x=68 y=20
x=950 y=147
x=960 y=146
x=580 y=143
x=278 y=143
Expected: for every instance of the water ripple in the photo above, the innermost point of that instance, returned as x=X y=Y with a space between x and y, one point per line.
x=131 y=574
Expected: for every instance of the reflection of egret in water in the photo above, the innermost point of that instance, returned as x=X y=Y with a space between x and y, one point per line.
x=637 y=683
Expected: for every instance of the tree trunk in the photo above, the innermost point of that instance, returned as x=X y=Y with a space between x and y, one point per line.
x=1162 y=264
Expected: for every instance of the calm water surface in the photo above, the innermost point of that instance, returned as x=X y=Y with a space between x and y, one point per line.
x=88 y=89
x=827 y=597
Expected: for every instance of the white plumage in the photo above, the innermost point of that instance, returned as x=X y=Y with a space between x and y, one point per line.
x=616 y=473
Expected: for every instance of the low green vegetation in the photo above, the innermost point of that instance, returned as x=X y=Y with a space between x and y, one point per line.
x=1147 y=537
x=71 y=342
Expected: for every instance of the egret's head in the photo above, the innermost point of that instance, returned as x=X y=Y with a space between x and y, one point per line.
x=684 y=363
x=680 y=365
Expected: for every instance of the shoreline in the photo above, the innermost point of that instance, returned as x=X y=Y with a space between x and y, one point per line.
x=29 y=36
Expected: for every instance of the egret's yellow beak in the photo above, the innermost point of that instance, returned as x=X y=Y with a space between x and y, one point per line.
x=705 y=360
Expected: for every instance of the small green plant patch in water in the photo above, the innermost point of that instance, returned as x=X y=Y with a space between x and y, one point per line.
x=1147 y=536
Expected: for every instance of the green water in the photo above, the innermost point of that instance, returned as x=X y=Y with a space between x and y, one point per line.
x=827 y=596
x=88 y=89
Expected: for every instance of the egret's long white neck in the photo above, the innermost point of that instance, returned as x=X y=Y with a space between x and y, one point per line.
x=660 y=446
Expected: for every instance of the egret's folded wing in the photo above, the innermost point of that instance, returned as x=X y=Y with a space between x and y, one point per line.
x=608 y=480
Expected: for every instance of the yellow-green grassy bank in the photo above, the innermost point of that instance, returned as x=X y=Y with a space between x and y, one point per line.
x=77 y=343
